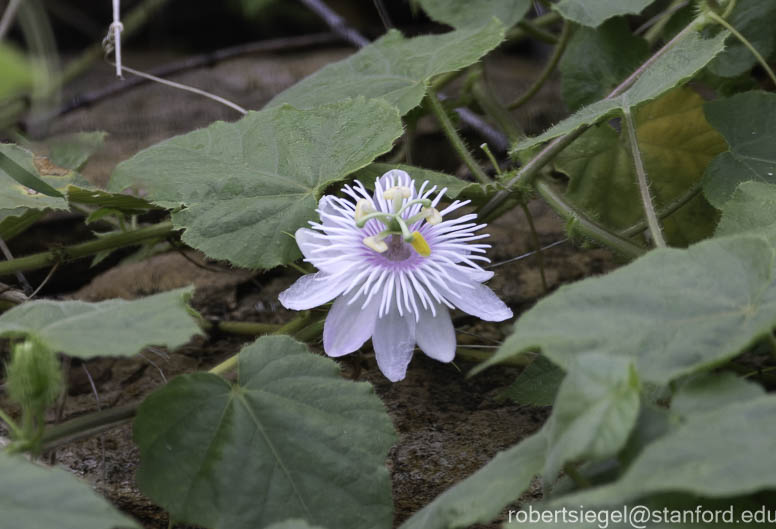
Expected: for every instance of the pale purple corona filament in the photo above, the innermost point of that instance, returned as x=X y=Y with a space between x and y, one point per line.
x=397 y=292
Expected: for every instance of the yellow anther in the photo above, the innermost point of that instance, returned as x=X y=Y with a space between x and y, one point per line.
x=397 y=192
x=420 y=244
x=432 y=215
x=375 y=244
x=363 y=208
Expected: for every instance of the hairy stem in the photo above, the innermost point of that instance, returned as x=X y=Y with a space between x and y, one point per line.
x=69 y=253
x=455 y=140
x=557 y=53
x=529 y=172
x=641 y=177
x=585 y=225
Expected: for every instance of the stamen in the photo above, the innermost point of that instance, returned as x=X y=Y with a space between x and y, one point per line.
x=375 y=243
x=420 y=244
x=363 y=208
x=397 y=191
x=433 y=216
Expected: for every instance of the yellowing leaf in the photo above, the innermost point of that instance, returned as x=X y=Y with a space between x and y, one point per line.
x=676 y=143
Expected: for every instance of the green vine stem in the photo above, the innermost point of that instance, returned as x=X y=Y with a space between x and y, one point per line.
x=641 y=178
x=560 y=48
x=537 y=245
x=584 y=225
x=86 y=426
x=456 y=141
x=725 y=24
x=290 y=328
x=245 y=328
x=534 y=28
x=98 y=422
x=496 y=110
x=69 y=253
x=530 y=171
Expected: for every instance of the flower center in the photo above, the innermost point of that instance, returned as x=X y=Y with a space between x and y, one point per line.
x=397 y=250
x=396 y=226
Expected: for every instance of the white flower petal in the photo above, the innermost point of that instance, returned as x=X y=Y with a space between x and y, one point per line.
x=348 y=326
x=435 y=334
x=310 y=240
x=310 y=291
x=394 y=341
x=480 y=301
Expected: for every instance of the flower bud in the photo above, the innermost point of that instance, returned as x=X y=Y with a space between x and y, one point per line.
x=34 y=377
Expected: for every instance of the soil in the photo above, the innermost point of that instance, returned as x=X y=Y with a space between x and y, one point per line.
x=448 y=425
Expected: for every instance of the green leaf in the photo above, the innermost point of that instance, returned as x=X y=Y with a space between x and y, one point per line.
x=481 y=497
x=394 y=68
x=745 y=120
x=676 y=144
x=110 y=328
x=597 y=60
x=752 y=209
x=293 y=524
x=708 y=392
x=595 y=410
x=16 y=221
x=537 y=385
x=94 y=196
x=469 y=13
x=594 y=12
x=755 y=20
x=290 y=438
x=17 y=75
x=456 y=188
x=36 y=497
x=247 y=186
x=72 y=151
x=669 y=311
x=720 y=453
x=678 y=64
x=30 y=182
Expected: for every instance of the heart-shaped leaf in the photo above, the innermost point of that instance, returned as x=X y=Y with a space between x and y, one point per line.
x=289 y=439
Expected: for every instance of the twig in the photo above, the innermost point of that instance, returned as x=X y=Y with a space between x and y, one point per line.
x=528 y=254
x=8 y=15
x=186 y=88
x=384 y=17
x=19 y=276
x=336 y=23
x=45 y=280
x=641 y=177
x=199 y=61
x=133 y=21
